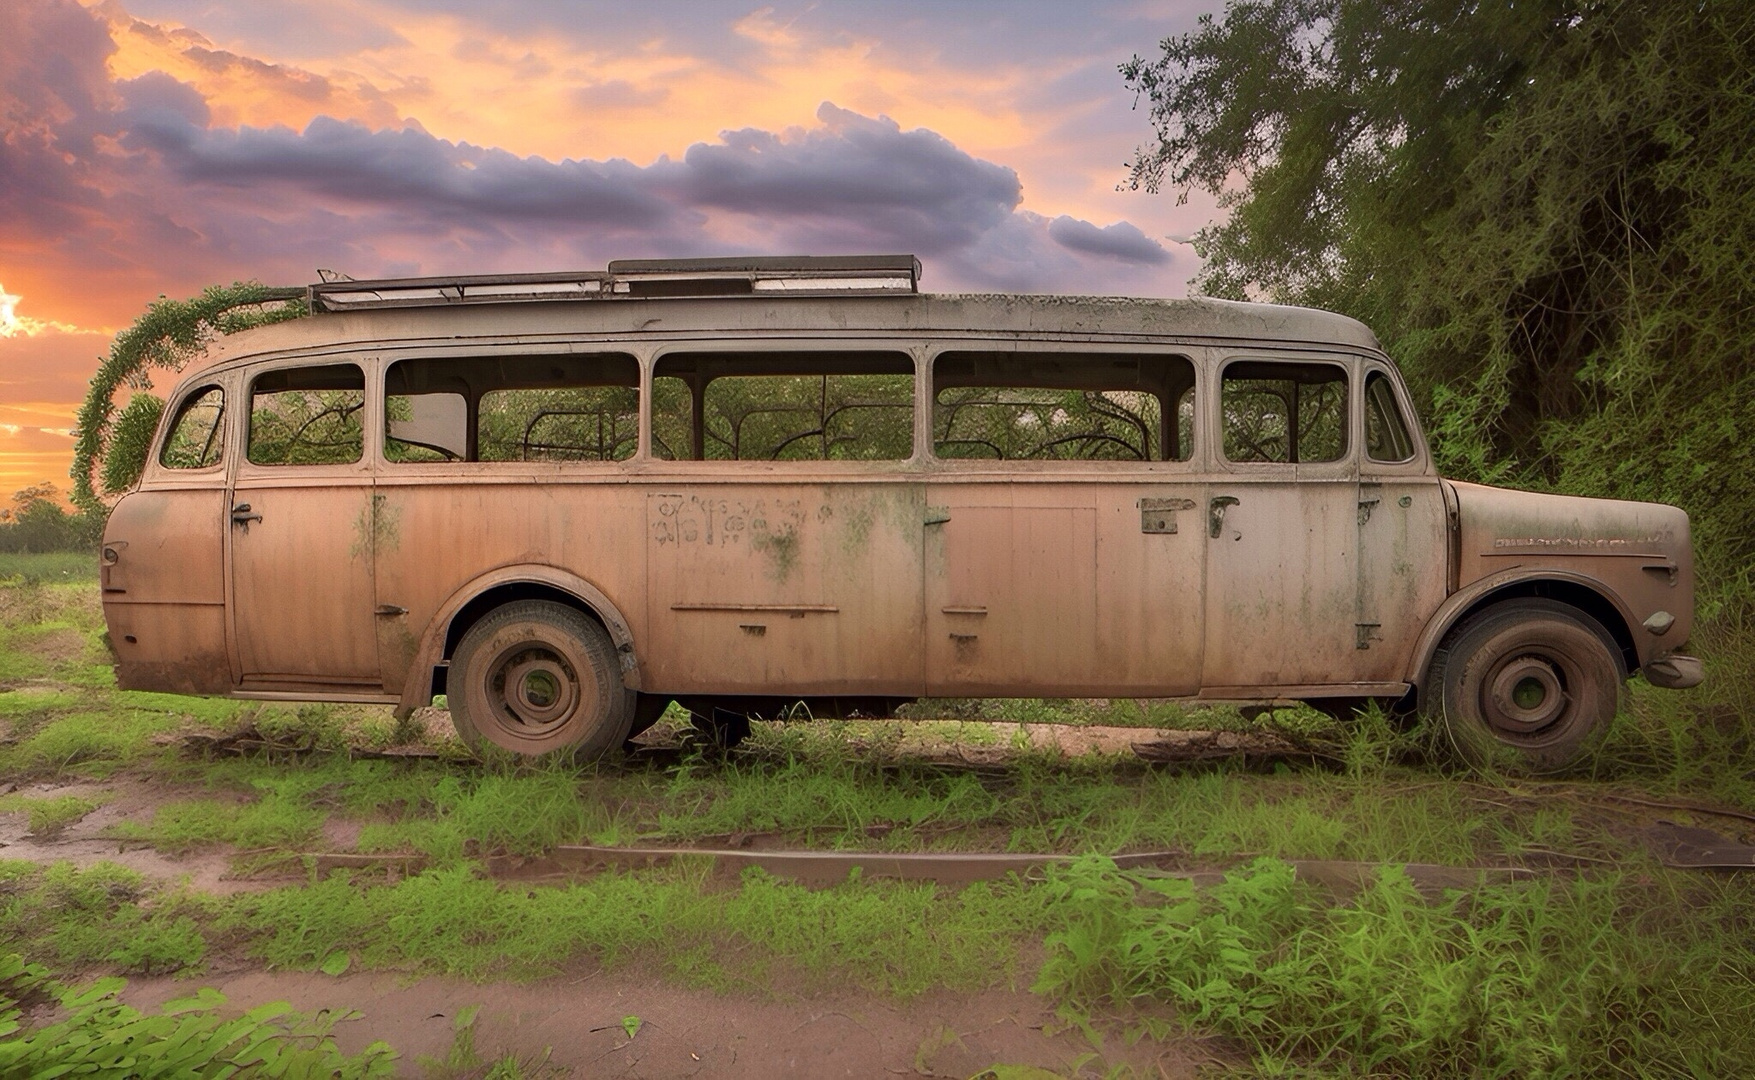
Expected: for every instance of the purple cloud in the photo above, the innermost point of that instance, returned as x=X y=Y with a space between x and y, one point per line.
x=1122 y=240
x=184 y=204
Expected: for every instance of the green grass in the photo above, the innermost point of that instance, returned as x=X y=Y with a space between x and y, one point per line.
x=1632 y=970
x=898 y=938
x=57 y=567
x=51 y=815
x=445 y=810
x=105 y=916
x=1588 y=977
x=269 y=823
x=838 y=802
x=449 y=810
x=901 y=939
x=1592 y=976
x=93 y=743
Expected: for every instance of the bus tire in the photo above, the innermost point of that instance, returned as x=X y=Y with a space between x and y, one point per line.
x=1528 y=687
x=536 y=678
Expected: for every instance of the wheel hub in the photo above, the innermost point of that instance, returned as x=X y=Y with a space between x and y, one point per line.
x=536 y=688
x=1525 y=696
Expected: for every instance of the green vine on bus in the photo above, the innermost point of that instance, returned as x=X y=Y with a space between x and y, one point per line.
x=111 y=445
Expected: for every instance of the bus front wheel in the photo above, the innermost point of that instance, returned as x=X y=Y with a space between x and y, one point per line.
x=1529 y=686
x=536 y=677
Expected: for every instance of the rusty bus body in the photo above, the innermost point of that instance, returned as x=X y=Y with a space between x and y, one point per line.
x=736 y=584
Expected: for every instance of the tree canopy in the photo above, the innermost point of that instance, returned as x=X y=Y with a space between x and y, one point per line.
x=1546 y=210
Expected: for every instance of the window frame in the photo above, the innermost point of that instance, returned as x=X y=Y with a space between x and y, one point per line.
x=500 y=351
x=903 y=348
x=372 y=416
x=384 y=358
x=1344 y=466
x=161 y=439
x=1418 y=465
x=928 y=398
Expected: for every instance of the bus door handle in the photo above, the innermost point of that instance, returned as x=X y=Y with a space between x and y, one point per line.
x=1216 y=514
x=241 y=516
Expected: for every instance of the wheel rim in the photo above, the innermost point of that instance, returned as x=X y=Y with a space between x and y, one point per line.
x=533 y=691
x=1525 y=697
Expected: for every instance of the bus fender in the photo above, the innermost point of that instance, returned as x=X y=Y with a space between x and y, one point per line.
x=417 y=684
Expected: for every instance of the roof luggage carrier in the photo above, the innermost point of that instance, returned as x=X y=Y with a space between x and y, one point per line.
x=825 y=275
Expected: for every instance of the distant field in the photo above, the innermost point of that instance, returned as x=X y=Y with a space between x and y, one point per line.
x=49 y=566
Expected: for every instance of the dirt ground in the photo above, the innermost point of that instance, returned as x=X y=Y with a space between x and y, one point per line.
x=578 y=1023
x=85 y=843
x=574 y=1025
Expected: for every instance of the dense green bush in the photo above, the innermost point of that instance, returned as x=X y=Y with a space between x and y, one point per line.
x=1541 y=978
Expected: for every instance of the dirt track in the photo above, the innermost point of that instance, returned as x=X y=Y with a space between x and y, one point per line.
x=687 y=1033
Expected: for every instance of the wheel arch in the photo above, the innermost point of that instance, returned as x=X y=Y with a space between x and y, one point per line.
x=483 y=594
x=1588 y=595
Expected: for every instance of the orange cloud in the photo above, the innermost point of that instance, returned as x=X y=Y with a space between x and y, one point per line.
x=558 y=97
x=454 y=143
x=240 y=89
x=537 y=94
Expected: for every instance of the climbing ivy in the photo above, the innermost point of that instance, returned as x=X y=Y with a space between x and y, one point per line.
x=167 y=336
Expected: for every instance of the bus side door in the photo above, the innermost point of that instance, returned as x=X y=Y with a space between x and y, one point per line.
x=301 y=535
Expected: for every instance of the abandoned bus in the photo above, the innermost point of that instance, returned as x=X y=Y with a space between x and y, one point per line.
x=566 y=500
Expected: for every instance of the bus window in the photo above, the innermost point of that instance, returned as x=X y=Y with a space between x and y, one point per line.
x=520 y=408
x=783 y=406
x=1386 y=437
x=307 y=416
x=195 y=440
x=1062 y=407
x=1279 y=411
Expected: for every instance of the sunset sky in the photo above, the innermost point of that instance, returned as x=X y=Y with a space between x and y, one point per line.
x=154 y=147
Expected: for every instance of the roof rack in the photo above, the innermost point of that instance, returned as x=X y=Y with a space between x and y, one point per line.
x=831 y=275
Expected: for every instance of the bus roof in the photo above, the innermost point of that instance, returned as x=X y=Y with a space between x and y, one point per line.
x=780 y=311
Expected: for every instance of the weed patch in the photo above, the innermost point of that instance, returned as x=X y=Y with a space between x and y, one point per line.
x=96 y=742
x=840 y=803
x=104 y=916
x=97 y=1035
x=50 y=567
x=1574 y=977
x=271 y=822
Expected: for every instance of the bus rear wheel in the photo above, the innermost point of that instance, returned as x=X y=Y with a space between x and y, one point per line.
x=536 y=678
x=1528 y=687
